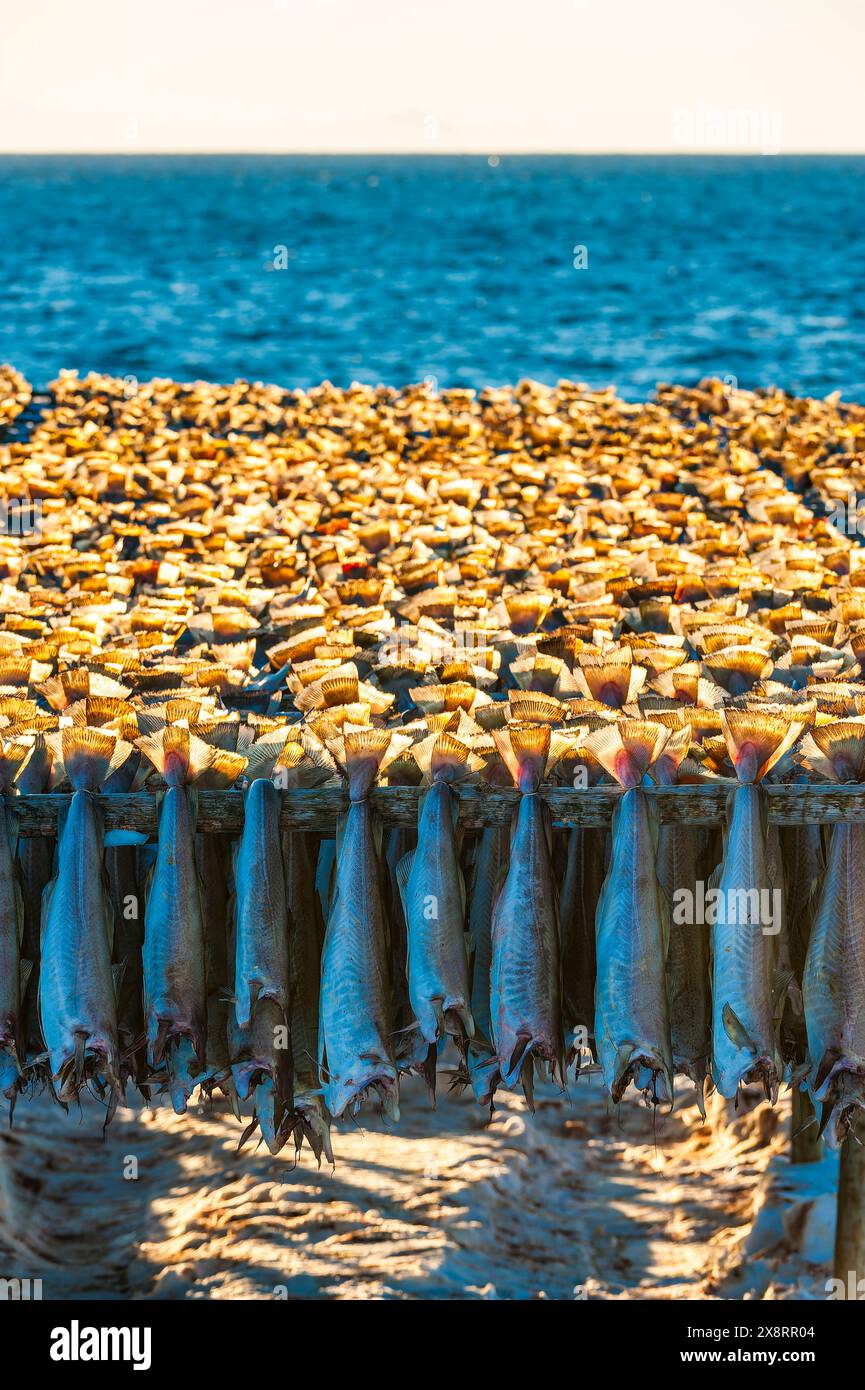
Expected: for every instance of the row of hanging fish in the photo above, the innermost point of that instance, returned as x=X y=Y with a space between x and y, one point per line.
x=528 y=950
x=240 y=586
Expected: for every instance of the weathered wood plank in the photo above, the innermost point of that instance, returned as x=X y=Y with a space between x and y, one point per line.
x=317 y=810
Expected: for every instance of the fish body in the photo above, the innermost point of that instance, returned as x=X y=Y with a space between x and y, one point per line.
x=355 y=1021
x=433 y=896
x=834 y=984
x=525 y=971
x=632 y=1020
x=175 y=995
x=262 y=923
x=77 y=1005
x=744 y=956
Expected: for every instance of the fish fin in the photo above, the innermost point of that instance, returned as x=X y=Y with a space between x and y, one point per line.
x=86 y=756
x=522 y=1043
x=621 y=1065
x=13 y=757
x=757 y=738
x=364 y=754
x=826 y=1064
x=524 y=749
x=842 y=742
x=825 y=1116
x=403 y=870
x=445 y=758
x=607 y=678
x=262 y=756
x=736 y=1031
x=674 y=752
x=25 y=968
x=222 y=771
x=738 y=668
x=628 y=748
x=177 y=755
x=305 y=764
x=114 y=839
x=527 y=1081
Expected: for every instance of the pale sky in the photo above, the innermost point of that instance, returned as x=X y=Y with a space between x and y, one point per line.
x=480 y=76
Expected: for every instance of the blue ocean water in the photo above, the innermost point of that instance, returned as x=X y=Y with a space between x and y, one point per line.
x=398 y=268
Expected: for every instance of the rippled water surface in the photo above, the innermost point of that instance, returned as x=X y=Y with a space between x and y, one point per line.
x=394 y=269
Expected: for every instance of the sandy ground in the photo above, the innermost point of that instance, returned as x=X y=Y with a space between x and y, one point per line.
x=581 y=1201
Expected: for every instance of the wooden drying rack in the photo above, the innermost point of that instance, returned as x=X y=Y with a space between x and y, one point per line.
x=221 y=812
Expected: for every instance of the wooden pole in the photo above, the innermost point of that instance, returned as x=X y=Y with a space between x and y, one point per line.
x=789 y=803
x=850 y=1228
x=806 y=1146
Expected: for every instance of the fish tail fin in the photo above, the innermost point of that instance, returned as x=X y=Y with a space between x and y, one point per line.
x=738 y=668
x=12 y=759
x=612 y=679
x=628 y=748
x=843 y=743
x=525 y=750
x=444 y=758
x=757 y=739
x=179 y=756
x=674 y=752
x=86 y=755
x=364 y=753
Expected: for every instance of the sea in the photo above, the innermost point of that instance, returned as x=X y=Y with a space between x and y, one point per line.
x=471 y=271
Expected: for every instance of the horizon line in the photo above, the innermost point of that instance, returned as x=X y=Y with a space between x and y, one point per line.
x=486 y=154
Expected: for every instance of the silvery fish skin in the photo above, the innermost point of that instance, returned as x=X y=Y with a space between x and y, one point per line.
x=175 y=1000
x=76 y=986
x=305 y=943
x=355 y=1024
x=632 y=1020
x=582 y=881
x=743 y=956
x=525 y=973
x=680 y=855
x=262 y=925
x=834 y=983
x=11 y=931
x=434 y=904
